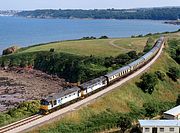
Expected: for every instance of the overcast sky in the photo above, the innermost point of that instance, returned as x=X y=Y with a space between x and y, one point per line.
x=83 y=4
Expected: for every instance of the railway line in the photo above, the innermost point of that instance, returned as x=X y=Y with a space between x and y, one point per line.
x=35 y=120
x=19 y=123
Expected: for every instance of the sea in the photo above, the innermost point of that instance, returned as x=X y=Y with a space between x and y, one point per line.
x=29 y=31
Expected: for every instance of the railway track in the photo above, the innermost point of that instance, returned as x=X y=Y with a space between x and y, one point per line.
x=35 y=120
x=19 y=123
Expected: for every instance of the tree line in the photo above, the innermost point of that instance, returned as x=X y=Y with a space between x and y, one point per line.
x=141 y=13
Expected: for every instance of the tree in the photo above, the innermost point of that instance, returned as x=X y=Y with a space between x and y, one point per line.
x=151 y=109
x=148 y=45
x=135 y=129
x=174 y=73
x=148 y=83
x=132 y=54
x=161 y=75
x=103 y=37
x=52 y=50
x=178 y=100
x=124 y=123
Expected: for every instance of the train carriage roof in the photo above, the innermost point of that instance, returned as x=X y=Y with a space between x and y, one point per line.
x=154 y=49
x=158 y=44
x=117 y=71
x=147 y=55
x=92 y=82
x=136 y=62
x=62 y=94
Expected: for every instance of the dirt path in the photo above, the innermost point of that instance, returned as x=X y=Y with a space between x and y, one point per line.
x=18 y=85
x=111 y=42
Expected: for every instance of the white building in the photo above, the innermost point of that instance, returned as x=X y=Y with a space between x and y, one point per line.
x=172 y=114
x=160 y=126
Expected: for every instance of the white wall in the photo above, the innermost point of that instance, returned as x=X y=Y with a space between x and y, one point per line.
x=166 y=129
x=89 y=90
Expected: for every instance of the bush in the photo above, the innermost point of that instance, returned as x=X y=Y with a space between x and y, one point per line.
x=23 y=110
x=154 y=108
x=103 y=37
x=148 y=83
x=149 y=44
x=4 y=118
x=174 y=73
x=161 y=75
x=124 y=123
x=178 y=100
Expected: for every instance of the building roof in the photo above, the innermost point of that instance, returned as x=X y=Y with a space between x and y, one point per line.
x=93 y=82
x=159 y=123
x=63 y=93
x=174 y=111
x=117 y=71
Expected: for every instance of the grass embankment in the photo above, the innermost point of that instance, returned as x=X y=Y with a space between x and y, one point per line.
x=125 y=99
x=97 y=47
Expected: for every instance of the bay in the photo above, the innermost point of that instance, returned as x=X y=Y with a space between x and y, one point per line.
x=27 y=31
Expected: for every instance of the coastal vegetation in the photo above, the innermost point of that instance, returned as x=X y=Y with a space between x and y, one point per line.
x=52 y=59
x=23 y=110
x=166 y=13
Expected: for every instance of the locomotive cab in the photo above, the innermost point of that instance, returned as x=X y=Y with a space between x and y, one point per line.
x=44 y=106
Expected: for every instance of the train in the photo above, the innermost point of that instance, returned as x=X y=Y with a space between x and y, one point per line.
x=75 y=93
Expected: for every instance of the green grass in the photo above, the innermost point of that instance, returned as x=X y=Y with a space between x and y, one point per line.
x=98 y=47
x=119 y=100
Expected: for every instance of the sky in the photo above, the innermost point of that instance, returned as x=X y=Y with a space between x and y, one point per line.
x=83 y=4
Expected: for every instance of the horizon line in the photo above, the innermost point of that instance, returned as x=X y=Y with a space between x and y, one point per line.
x=90 y=8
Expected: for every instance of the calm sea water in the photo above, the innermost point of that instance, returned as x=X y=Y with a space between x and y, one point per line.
x=24 y=31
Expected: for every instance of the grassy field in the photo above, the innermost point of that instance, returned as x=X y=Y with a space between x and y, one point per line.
x=119 y=100
x=98 y=47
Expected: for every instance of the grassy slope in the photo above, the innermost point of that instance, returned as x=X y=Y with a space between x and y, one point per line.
x=118 y=100
x=98 y=47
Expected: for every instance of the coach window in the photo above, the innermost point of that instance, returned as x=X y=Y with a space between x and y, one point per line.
x=104 y=82
x=171 y=129
x=59 y=101
x=146 y=129
x=161 y=129
x=55 y=102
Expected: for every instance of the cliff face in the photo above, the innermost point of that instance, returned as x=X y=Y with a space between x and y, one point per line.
x=8 y=13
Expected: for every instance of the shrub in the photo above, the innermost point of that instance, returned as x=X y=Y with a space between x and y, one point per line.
x=124 y=123
x=148 y=83
x=174 y=73
x=103 y=37
x=178 y=100
x=154 y=108
x=161 y=75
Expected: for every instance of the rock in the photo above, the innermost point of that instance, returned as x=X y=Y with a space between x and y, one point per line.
x=10 y=50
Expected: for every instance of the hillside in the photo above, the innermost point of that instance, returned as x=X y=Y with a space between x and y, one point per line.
x=129 y=99
x=166 y=13
x=84 y=59
x=97 y=47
